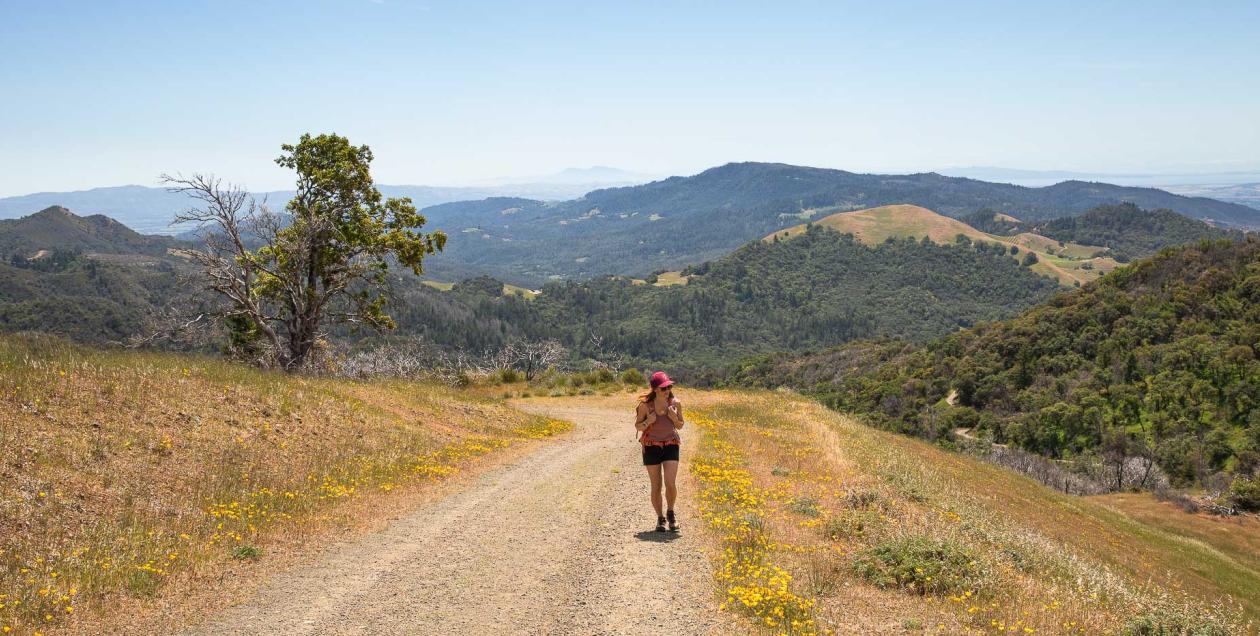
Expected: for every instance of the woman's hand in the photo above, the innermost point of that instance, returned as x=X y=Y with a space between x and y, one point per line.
x=674 y=410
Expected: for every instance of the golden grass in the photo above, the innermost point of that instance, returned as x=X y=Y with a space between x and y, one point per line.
x=439 y=285
x=668 y=279
x=830 y=495
x=126 y=471
x=508 y=288
x=875 y=225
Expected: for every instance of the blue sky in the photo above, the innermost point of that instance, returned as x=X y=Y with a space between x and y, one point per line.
x=95 y=93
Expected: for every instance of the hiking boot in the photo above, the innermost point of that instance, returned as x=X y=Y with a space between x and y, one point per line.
x=660 y=524
x=673 y=523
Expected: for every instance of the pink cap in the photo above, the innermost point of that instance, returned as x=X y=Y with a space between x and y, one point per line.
x=660 y=380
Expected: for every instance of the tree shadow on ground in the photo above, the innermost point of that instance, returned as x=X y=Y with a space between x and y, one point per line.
x=653 y=536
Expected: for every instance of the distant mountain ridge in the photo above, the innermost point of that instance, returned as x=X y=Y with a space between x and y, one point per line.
x=152 y=210
x=668 y=224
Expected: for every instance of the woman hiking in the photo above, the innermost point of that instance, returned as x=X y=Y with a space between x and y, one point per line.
x=658 y=418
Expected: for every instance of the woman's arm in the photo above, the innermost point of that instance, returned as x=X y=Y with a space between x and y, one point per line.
x=643 y=419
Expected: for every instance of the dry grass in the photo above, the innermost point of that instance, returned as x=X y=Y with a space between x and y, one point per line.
x=125 y=474
x=668 y=279
x=508 y=289
x=876 y=531
x=875 y=225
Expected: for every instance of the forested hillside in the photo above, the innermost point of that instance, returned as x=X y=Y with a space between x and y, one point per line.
x=815 y=290
x=669 y=224
x=57 y=229
x=1129 y=232
x=1157 y=359
x=89 y=278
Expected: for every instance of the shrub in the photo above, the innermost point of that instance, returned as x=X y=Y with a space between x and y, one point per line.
x=860 y=499
x=919 y=565
x=633 y=376
x=246 y=553
x=1171 y=622
x=779 y=471
x=604 y=375
x=851 y=524
x=807 y=506
x=510 y=376
x=1244 y=494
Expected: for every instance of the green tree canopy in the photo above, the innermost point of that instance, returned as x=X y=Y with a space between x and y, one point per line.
x=323 y=262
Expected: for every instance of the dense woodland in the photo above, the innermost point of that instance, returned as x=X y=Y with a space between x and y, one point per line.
x=815 y=290
x=1127 y=231
x=1158 y=359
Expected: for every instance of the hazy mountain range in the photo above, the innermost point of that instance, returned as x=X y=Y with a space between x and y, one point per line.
x=150 y=210
x=682 y=220
x=1163 y=180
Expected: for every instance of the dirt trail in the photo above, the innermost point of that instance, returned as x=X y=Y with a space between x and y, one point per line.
x=557 y=542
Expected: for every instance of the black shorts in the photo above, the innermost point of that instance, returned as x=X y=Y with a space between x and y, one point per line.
x=653 y=455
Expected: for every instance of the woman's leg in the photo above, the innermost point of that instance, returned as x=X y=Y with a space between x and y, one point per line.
x=654 y=474
x=671 y=477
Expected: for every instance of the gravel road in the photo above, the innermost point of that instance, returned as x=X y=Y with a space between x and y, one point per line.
x=559 y=541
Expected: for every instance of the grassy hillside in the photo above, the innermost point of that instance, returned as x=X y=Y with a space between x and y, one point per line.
x=1069 y=263
x=826 y=524
x=129 y=476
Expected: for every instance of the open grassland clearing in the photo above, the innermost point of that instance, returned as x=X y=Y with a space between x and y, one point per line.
x=825 y=525
x=129 y=477
x=1069 y=263
x=508 y=288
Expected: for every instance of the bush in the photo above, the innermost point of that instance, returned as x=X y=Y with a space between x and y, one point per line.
x=805 y=506
x=861 y=499
x=246 y=553
x=510 y=376
x=852 y=524
x=1244 y=494
x=1172 y=622
x=604 y=375
x=632 y=376
x=919 y=565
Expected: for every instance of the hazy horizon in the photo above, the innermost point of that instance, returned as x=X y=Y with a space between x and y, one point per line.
x=459 y=95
